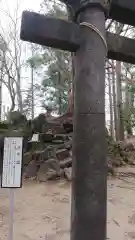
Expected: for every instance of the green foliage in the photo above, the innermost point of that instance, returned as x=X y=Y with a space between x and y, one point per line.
x=35 y=61
x=56 y=65
x=129 y=118
x=129 y=109
x=54 y=8
x=55 y=84
x=131 y=88
x=4 y=125
x=15 y=118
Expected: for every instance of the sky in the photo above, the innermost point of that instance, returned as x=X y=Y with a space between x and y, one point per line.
x=25 y=4
x=30 y=4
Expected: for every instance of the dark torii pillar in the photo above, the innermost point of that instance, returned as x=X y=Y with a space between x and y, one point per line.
x=88 y=220
x=89 y=185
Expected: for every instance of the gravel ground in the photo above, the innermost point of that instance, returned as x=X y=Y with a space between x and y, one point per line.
x=42 y=211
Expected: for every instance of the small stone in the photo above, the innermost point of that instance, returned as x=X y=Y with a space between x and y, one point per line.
x=68 y=173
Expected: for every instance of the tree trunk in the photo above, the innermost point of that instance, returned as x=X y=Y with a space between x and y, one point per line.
x=114 y=103
x=18 y=90
x=12 y=104
x=120 y=119
x=71 y=83
x=111 y=106
x=1 y=76
x=4 y=113
x=60 y=103
x=60 y=97
x=129 y=103
x=11 y=92
x=130 y=130
x=32 y=92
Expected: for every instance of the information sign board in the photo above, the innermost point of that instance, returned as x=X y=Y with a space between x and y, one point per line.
x=12 y=163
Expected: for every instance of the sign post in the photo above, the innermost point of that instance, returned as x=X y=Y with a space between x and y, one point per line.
x=11 y=215
x=12 y=172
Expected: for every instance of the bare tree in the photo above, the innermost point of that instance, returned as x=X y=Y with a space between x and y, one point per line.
x=12 y=60
x=128 y=107
x=120 y=118
x=1 y=74
x=114 y=105
x=110 y=102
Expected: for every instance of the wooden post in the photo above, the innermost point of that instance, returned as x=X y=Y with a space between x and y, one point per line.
x=89 y=145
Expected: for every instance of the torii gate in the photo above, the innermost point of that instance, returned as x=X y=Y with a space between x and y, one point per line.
x=85 y=36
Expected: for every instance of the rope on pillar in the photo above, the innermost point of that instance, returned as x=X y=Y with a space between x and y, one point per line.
x=95 y=29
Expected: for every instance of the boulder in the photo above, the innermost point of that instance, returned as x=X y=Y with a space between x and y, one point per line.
x=49 y=170
x=31 y=170
x=62 y=154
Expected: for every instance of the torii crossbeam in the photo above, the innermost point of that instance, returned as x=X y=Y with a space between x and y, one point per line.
x=123 y=11
x=85 y=36
x=67 y=36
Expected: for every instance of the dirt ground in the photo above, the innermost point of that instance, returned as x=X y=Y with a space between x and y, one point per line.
x=42 y=211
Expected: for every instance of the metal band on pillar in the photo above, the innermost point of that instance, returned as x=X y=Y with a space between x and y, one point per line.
x=92 y=27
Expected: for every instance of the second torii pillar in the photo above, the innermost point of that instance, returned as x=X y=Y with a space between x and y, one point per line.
x=89 y=187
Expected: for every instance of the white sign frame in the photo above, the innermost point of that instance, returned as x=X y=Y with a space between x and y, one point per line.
x=12 y=163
